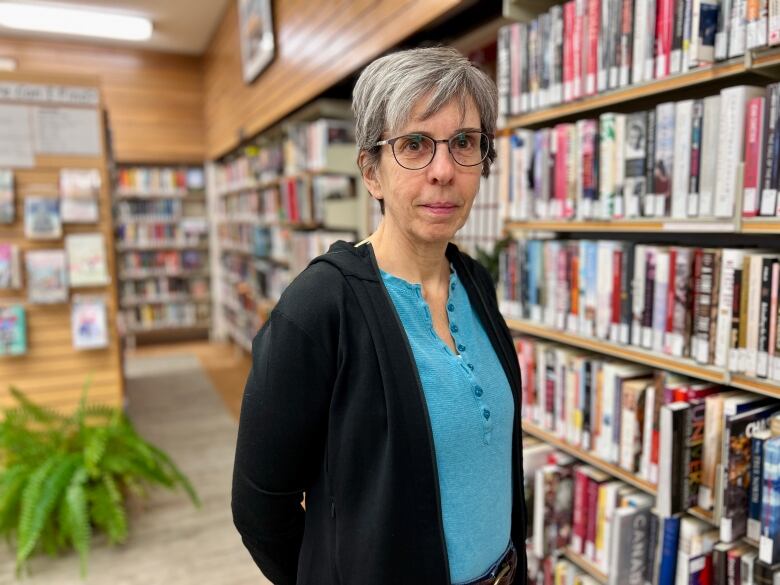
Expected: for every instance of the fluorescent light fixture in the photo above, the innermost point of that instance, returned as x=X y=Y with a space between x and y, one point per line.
x=74 y=21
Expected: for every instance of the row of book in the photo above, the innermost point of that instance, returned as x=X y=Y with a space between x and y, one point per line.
x=306 y=145
x=162 y=233
x=261 y=163
x=679 y=160
x=89 y=327
x=7 y=204
x=615 y=528
x=163 y=209
x=700 y=444
x=152 y=316
x=716 y=306
x=484 y=226
x=170 y=262
x=50 y=272
x=159 y=181
x=262 y=241
x=584 y=47
x=161 y=287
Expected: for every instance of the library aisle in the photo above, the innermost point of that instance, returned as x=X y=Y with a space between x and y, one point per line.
x=167 y=171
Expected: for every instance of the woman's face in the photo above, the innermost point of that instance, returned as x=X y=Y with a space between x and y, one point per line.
x=429 y=205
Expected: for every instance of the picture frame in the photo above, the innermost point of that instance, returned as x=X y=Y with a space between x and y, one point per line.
x=256 y=35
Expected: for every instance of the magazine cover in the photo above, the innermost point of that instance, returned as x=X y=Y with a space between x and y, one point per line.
x=42 y=218
x=7 y=204
x=79 y=190
x=46 y=276
x=9 y=266
x=13 y=330
x=88 y=323
x=86 y=260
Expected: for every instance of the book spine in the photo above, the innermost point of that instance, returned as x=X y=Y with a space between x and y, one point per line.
x=768 y=193
x=663 y=35
x=626 y=42
x=697 y=122
x=756 y=483
x=733 y=351
x=664 y=159
x=731 y=259
x=769 y=546
x=754 y=141
x=649 y=297
x=774 y=337
x=686 y=40
x=678 y=24
x=738 y=28
x=773 y=34
x=682 y=156
x=662 y=272
x=762 y=361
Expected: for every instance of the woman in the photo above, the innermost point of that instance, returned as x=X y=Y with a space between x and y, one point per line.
x=385 y=384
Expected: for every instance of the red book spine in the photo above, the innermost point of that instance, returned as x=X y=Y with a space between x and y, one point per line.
x=569 y=14
x=663 y=37
x=617 y=270
x=594 y=23
x=670 y=297
x=577 y=55
x=592 y=513
x=579 y=520
x=753 y=141
x=561 y=175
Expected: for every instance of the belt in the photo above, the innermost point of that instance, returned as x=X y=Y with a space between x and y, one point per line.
x=503 y=573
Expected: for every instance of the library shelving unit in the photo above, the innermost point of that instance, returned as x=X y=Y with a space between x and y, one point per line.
x=49 y=346
x=276 y=203
x=758 y=67
x=163 y=249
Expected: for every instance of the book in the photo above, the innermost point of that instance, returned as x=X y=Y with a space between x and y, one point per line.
x=7 y=201
x=756 y=483
x=13 y=330
x=629 y=540
x=42 y=218
x=88 y=323
x=769 y=546
x=10 y=276
x=86 y=260
x=46 y=276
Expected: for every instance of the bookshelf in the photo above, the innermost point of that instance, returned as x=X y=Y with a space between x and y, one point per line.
x=276 y=203
x=569 y=176
x=57 y=334
x=162 y=243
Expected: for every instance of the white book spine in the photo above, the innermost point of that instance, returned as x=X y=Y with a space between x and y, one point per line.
x=638 y=294
x=604 y=306
x=738 y=28
x=731 y=146
x=660 y=299
x=640 y=41
x=650 y=42
x=618 y=211
x=773 y=33
x=682 y=159
x=753 y=310
x=607 y=413
x=694 y=47
x=647 y=433
x=731 y=259
x=709 y=154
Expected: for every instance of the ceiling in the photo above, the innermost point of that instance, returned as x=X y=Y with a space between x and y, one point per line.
x=180 y=26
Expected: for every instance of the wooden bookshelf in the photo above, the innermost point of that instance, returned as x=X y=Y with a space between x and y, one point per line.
x=702 y=514
x=760 y=386
x=629 y=225
x=641 y=356
x=765 y=225
x=589 y=458
x=586 y=566
x=634 y=93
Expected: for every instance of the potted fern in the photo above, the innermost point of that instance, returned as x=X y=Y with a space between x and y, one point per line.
x=61 y=477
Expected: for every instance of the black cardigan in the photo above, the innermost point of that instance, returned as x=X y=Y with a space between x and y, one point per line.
x=334 y=407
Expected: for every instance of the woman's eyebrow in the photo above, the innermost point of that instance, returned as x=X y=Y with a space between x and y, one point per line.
x=426 y=133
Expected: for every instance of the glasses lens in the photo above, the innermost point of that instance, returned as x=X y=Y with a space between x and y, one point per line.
x=413 y=151
x=469 y=148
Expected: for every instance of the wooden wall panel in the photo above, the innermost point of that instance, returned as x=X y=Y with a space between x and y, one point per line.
x=318 y=43
x=154 y=99
x=52 y=371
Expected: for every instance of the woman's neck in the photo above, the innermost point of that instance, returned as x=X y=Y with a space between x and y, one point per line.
x=415 y=262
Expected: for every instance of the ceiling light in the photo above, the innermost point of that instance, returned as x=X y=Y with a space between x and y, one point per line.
x=74 y=21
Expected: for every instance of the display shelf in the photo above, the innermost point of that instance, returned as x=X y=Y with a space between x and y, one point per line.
x=654 y=225
x=758 y=385
x=673 y=364
x=161 y=273
x=165 y=326
x=759 y=225
x=586 y=565
x=590 y=105
x=589 y=458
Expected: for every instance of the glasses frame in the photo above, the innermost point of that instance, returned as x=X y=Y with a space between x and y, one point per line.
x=392 y=141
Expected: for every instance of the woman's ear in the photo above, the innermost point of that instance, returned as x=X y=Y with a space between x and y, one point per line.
x=370 y=176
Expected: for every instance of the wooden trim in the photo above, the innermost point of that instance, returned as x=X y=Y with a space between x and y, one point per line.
x=586 y=566
x=589 y=458
x=641 y=356
x=655 y=225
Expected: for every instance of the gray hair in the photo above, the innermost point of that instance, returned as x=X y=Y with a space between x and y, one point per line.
x=390 y=87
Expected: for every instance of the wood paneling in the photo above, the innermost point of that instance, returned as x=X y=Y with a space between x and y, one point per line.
x=154 y=100
x=52 y=371
x=318 y=43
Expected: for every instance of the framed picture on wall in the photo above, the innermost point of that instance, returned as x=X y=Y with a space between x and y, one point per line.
x=256 y=33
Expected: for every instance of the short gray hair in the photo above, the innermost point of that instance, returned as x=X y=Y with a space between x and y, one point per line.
x=390 y=87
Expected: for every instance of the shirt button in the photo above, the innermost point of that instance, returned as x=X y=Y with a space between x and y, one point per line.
x=461 y=348
x=454 y=328
x=471 y=366
x=452 y=286
x=478 y=391
x=450 y=307
x=486 y=414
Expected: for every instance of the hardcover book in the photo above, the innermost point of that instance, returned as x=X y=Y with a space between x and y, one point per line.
x=42 y=218
x=9 y=266
x=88 y=323
x=13 y=330
x=7 y=203
x=46 y=276
x=86 y=260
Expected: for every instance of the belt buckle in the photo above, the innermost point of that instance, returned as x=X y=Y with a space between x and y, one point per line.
x=502 y=573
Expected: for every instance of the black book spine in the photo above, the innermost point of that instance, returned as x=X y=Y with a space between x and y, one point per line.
x=650 y=159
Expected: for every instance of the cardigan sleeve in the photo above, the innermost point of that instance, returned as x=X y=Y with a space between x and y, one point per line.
x=281 y=436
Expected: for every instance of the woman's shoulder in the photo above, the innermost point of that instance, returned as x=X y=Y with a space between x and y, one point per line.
x=316 y=294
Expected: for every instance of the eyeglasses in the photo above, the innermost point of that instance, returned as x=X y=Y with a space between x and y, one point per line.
x=416 y=151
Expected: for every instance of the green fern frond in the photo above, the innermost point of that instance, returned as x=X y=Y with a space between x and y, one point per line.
x=38 y=413
x=11 y=486
x=94 y=449
x=108 y=510
x=78 y=516
x=178 y=476
x=39 y=498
